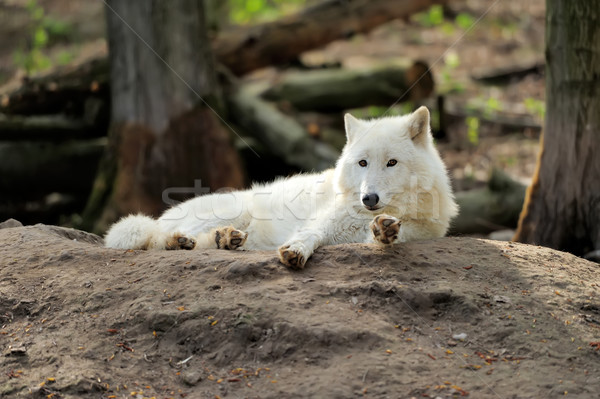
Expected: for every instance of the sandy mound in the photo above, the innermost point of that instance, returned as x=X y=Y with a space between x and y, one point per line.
x=442 y=318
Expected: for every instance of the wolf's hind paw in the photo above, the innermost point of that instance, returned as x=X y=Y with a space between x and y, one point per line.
x=385 y=229
x=179 y=241
x=230 y=238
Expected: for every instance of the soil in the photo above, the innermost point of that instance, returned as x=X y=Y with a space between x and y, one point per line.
x=451 y=317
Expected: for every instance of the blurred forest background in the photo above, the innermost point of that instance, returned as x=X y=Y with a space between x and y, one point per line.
x=285 y=72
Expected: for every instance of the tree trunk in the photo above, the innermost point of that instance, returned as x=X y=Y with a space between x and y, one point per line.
x=163 y=133
x=562 y=207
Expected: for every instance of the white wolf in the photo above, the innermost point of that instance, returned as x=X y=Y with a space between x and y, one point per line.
x=389 y=185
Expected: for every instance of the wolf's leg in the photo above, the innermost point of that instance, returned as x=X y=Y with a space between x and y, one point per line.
x=296 y=251
x=143 y=232
x=332 y=226
x=222 y=238
x=386 y=229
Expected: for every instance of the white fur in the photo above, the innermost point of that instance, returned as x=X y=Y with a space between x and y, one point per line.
x=302 y=212
x=136 y=232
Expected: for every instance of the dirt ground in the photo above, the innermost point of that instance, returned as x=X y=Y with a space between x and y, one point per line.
x=451 y=317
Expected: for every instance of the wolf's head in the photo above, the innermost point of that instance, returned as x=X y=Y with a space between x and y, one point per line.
x=385 y=160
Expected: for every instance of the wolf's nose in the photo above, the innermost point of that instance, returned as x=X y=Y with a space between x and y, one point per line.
x=370 y=199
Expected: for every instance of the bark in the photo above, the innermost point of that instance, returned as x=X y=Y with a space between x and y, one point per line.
x=562 y=208
x=333 y=90
x=164 y=133
x=246 y=49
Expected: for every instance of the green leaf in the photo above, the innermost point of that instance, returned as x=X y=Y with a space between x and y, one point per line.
x=40 y=37
x=436 y=15
x=464 y=20
x=492 y=106
x=253 y=11
x=448 y=28
x=536 y=107
x=473 y=130
x=56 y=28
x=254 y=6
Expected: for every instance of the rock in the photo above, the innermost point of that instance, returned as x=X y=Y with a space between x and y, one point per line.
x=16 y=351
x=192 y=377
x=10 y=223
x=72 y=234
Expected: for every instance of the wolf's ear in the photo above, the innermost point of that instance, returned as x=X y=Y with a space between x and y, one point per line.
x=419 y=126
x=352 y=127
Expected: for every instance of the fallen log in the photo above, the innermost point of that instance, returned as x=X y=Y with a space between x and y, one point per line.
x=46 y=127
x=52 y=208
x=500 y=122
x=245 y=49
x=333 y=90
x=65 y=90
x=488 y=209
x=504 y=75
x=281 y=134
x=29 y=170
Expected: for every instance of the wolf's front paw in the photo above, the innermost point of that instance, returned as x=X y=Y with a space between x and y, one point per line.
x=385 y=229
x=293 y=255
x=230 y=238
x=179 y=241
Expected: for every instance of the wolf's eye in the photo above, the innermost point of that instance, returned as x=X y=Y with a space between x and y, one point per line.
x=392 y=162
x=362 y=163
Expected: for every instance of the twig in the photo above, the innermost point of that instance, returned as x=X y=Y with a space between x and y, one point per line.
x=185 y=360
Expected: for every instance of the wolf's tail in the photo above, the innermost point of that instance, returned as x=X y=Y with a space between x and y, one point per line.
x=136 y=232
